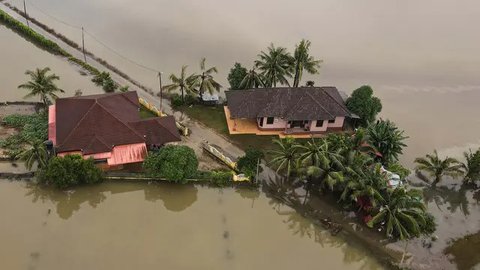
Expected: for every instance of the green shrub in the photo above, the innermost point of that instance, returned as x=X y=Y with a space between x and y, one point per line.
x=31 y=128
x=248 y=163
x=176 y=100
x=221 y=178
x=68 y=171
x=174 y=162
x=399 y=169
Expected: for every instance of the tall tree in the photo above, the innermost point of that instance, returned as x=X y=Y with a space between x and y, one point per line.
x=303 y=61
x=276 y=66
x=364 y=104
x=236 y=76
x=285 y=157
x=437 y=167
x=388 y=139
x=42 y=84
x=206 y=81
x=36 y=153
x=252 y=80
x=183 y=82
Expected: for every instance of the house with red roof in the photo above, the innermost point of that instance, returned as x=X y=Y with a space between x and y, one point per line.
x=107 y=128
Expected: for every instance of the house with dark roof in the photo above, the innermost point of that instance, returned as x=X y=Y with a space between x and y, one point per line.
x=286 y=111
x=107 y=128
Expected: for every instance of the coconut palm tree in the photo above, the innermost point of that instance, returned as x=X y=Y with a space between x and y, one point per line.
x=303 y=61
x=385 y=136
x=286 y=156
x=276 y=66
x=183 y=82
x=42 y=84
x=206 y=81
x=437 y=167
x=404 y=215
x=367 y=183
x=36 y=153
x=471 y=166
x=252 y=80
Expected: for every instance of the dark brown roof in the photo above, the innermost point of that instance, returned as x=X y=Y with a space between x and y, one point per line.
x=97 y=123
x=303 y=103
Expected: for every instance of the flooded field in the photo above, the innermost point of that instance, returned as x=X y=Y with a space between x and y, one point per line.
x=18 y=55
x=141 y=226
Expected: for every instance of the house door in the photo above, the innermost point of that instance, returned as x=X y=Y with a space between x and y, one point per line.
x=297 y=124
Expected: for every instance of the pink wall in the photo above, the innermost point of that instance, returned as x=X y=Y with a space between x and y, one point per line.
x=314 y=128
x=338 y=122
x=278 y=123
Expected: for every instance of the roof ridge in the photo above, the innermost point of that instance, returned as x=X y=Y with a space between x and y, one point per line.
x=341 y=105
x=123 y=123
x=318 y=103
x=98 y=138
x=78 y=123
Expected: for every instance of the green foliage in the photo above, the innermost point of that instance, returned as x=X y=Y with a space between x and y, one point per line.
x=248 y=163
x=185 y=83
x=471 y=166
x=236 y=75
x=173 y=162
x=437 y=167
x=399 y=169
x=364 y=104
x=176 y=100
x=387 y=139
x=105 y=81
x=42 y=84
x=68 y=171
x=303 y=61
x=31 y=128
x=252 y=80
x=276 y=65
x=35 y=154
x=92 y=70
x=285 y=156
x=31 y=35
x=221 y=178
x=206 y=82
x=404 y=215
x=124 y=88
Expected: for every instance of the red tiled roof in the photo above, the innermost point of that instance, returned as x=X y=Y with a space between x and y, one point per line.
x=97 y=123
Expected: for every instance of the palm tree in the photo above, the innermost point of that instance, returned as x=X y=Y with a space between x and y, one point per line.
x=252 y=80
x=368 y=182
x=207 y=82
x=303 y=61
x=37 y=153
x=275 y=65
x=385 y=136
x=286 y=155
x=42 y=84
x=437 y=167
x=471 y=166
x=404 y=215
x=183 y=82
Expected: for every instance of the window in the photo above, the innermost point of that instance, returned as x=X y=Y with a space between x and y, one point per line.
x=319 y=123
x=331 y=121
x=269 y=120
x=261 y=121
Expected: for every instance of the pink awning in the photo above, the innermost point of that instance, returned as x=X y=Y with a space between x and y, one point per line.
x=130 y=153
x=52 y=130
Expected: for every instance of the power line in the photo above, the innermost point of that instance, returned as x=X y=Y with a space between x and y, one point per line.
x=95 y=39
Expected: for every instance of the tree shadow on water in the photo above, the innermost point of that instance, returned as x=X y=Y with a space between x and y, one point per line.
x=450 y=198
x=175 y=197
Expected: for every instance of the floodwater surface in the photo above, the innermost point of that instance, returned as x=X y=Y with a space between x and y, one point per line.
x=421 y=57
x=152 y=226
x=18 y=55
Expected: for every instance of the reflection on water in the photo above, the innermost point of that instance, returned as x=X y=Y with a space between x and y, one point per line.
x=147 y=226
x=449 y=198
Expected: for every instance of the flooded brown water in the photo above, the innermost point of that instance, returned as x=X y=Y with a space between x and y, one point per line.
x=141 y=226
x=18 y=55
x=420 y=57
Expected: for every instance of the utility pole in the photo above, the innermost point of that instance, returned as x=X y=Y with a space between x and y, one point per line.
x=25 y=11
x=161 y=91
x=83 y=46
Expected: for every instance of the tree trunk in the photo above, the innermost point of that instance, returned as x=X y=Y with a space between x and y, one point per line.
x=404 y=252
